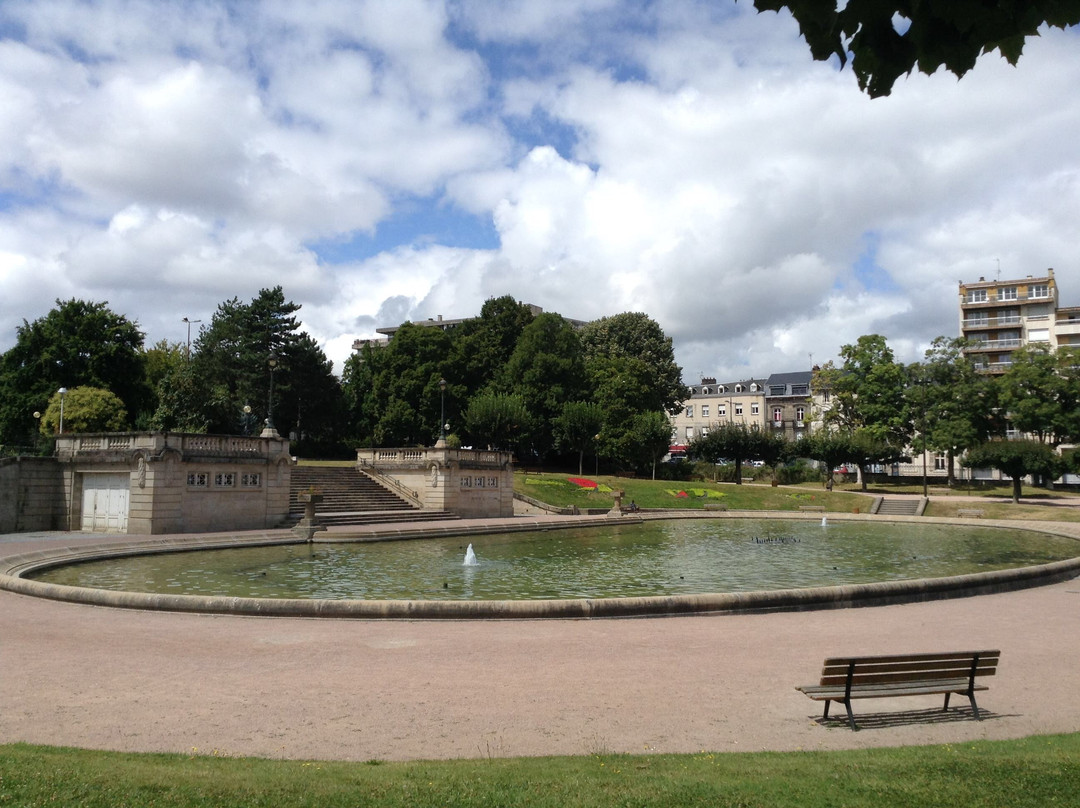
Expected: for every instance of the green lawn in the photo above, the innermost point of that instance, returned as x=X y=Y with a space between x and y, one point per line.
x=561 y=491
x=1038 y=772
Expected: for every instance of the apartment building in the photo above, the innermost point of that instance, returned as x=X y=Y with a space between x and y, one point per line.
x=1000 y=316
x=712 y=403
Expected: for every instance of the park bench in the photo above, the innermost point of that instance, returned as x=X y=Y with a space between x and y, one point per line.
x=969 y=512
x=844 y=679
x=818 y=508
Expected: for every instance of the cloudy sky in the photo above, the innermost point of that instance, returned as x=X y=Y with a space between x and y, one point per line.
x=403 y=159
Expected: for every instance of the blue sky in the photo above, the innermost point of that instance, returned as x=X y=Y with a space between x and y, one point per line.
x=413 y=158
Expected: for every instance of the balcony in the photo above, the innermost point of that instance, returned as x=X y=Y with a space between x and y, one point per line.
x=990 y=322
x=995 y=345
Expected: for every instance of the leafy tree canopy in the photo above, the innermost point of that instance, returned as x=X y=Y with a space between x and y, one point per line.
x=1040 y=392
x=76 y=344
x=1017 y=459
x=889 y=38
x=86 y=409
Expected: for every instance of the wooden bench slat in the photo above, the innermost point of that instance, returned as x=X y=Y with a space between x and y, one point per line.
x=844 y=679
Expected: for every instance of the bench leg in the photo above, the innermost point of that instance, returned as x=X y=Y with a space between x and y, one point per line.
x=974 y=706
x=850 y=716
x=847 y=704
x=945 y=709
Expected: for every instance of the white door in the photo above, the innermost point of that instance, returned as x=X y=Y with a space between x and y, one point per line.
x=105 y=503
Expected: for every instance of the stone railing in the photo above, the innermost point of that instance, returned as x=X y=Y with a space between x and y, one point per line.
x=391 y=458
x=78 y=445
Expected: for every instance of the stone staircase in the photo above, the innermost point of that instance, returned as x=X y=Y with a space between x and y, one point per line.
x=352 y=498
x=900 y=506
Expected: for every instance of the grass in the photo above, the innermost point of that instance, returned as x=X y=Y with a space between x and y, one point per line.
x=1036 y=771
x=558 y=490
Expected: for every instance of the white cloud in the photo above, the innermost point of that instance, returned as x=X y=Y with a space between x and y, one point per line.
x=686 y=159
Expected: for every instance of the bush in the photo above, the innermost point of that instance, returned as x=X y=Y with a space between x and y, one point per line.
x=798 y=472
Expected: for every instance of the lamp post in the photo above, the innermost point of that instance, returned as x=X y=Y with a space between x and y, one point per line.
x=63 y=392
x=189 y=322
x=247 y=419
x=272 y=362
x=442 y=413
x=596 y=454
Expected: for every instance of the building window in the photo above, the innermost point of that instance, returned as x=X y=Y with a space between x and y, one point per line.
x=777 y=389
x=800 y=414
x=198 y=479
x=250 y=480
x=976 y=296
x=800 y=390
x=721 y=389
x=225 y=479
x=466 y=481
x=738 y=388
x=704 y=391
x=825 y=396
x=778 y=414
x=721 y=410
x=738 y=409
x=755 y=408
x=689 y=410
x=689 y=434
x=939 y=461
x=1037 y=335
x=753 y=388
x=704 y=410
x=1007 y=293
x=704 y=431
x=1040 y=290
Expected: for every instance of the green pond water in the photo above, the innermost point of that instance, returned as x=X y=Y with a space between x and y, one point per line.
x=655 y=558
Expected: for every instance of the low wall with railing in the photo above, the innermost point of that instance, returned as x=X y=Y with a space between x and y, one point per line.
x=170 y=482
x=470 y=483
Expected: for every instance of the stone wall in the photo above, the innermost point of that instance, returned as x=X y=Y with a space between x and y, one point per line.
x=467 y=482
x=31 y=495
x=181 y=483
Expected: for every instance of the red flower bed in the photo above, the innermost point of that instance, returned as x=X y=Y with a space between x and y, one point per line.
x=582 y=482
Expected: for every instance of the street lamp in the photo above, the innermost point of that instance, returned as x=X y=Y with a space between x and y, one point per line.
x=247 y=419
x=273 y=363
x=442 y=413
x=63 y=392
x=189 y=322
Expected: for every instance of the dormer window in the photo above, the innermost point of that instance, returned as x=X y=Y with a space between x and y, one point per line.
x=738 y=388
x=721 y=389
x=704 y=391
x=753 y=388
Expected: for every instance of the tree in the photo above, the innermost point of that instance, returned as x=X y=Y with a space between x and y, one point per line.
x=481 y=346
x=547 y=370
x=953 y=405
x=76 y=344
x=1016 y=459
x=633 y=335
x=736 y=443
x=578 y=428
x=86 y=409
x=868 y=394
x=496 y=421
x=1040 y=393
x=405 y=398
x=650 y=434
x=830 y=448
x=890 y=38
x=241 y=350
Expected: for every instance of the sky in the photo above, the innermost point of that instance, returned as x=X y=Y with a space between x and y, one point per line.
x=402 y=160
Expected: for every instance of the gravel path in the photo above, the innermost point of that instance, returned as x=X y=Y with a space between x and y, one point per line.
x=359 y=690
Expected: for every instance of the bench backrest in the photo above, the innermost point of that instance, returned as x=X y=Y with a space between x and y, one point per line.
x=869 y=670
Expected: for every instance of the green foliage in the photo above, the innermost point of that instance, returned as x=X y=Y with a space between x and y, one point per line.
x=868 y=392
x=1017 y=459
x=577 y=428
x=76 y=344
x=1040 y=392
x=86 y=409
x=890 y=38
x=496 y=421
x=546 y=370
x=231 y=369
x=635 y=336
x=953 y=405
x=737 y=443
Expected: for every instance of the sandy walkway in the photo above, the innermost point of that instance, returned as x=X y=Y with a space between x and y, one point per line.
x=344 y=689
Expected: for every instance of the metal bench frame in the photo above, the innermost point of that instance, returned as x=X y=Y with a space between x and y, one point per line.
x=844 y=679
